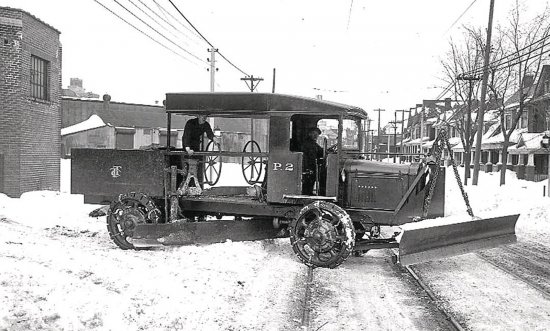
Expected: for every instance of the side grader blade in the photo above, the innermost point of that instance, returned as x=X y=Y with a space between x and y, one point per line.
x=188 y=233
x=431 y=243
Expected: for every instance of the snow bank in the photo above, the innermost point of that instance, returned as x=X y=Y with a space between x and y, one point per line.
x=489 y=199
x=46 y=209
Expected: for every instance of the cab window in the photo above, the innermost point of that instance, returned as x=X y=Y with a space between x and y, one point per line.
x=350 y=134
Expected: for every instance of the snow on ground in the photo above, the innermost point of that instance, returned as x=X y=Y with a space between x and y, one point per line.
x=60 y=270
x=489 y=199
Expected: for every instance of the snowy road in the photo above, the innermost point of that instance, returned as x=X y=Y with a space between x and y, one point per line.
x=59 y=270
x=58 y=278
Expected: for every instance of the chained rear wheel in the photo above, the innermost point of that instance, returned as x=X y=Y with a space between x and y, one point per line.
x=322 y=235
x=128 y=211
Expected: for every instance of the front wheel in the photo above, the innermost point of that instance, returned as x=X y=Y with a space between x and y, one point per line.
x=322 y=235
x=128 y=211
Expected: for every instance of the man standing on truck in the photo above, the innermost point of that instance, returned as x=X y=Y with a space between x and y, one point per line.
x=193 y=131
x=310 y=162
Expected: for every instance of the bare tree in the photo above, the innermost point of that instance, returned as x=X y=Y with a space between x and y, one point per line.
x=525 y=44
x=464 y=57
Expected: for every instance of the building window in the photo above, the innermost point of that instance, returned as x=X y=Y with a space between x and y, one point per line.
x=39 y=78
x=546 y=86
x=507 y=121
x=523 y=119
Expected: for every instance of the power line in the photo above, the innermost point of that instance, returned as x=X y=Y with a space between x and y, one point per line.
x=459 y=17
x=165 y=12
x=145 y=34
x=204 y=38
x=514 y=61
x=516 y=55
x=162 y=35
x=445 y=90
x=152 y=18
x=191 y=24
x=349 y=15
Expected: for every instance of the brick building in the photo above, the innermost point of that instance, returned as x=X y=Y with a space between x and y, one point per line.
x=30 y=109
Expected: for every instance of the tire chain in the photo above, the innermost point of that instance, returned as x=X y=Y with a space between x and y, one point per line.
x=443 y=139
x=152 y=213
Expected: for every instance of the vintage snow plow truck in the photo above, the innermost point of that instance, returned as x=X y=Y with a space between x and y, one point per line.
x=163 y=196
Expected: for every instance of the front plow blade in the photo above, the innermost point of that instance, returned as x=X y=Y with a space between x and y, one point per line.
x=431 y=243
x=188 y=233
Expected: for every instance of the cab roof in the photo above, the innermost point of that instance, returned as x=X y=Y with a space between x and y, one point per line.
x=238 y=104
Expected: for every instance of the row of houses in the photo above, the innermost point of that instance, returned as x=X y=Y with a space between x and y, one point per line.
x=526 y=153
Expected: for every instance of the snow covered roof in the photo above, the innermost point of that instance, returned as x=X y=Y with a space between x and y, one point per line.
x=429 y=144
x=529 y=142
x=121 y=114
x=454 y=140
x=417 y=141
x=93 y=122
x=513 y=101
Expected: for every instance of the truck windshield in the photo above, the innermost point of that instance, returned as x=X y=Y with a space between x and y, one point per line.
x=329 y=130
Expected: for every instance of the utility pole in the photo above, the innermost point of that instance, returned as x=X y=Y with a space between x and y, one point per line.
x=252 y=80
x=212 y=69
x=389 y=144
x=477 y=155
x=369 y=141
x=378 y=139
x=252 y=87
x=394 y=122
x=410 y=151
x=371 y=132
x=421 y=126
x=273 y=86
x=402 y=129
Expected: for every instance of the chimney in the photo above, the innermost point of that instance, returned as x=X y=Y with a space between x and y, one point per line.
x=319 y=97
x=76 y=82
x=447 y=104
x=528 y=80
x=106 y=101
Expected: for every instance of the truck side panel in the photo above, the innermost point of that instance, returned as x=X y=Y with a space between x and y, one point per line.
x=102 y=174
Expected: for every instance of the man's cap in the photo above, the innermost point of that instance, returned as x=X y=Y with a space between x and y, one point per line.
x=315 y=129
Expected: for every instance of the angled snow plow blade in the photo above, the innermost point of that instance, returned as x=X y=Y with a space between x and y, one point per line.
x=431 y=243
x=189 y=233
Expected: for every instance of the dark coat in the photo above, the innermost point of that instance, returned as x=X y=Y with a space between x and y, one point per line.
x=193 y=132
x=312 y=151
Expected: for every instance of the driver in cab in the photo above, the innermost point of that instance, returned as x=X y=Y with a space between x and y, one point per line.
x=312 y=153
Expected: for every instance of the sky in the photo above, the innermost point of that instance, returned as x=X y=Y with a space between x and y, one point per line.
x=367 y=53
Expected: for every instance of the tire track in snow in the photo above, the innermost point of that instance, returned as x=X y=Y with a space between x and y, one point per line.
x=436 y=301
x=371 y=293
x=523 y=263
x=306 y=308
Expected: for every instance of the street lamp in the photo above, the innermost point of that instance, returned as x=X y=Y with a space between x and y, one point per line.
x=545 y=142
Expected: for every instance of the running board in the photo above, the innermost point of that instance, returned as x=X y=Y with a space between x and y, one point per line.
x=208 y=232
x=432 y=243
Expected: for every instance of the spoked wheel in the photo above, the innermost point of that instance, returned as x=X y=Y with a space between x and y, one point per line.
x=127 y=212
x=212 y=164
x=252 y=166
x=322 y=235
